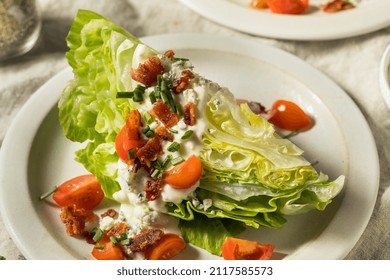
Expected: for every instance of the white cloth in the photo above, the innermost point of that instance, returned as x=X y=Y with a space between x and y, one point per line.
x=352 y=63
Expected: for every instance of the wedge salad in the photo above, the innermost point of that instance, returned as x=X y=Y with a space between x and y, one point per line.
x=166 y=144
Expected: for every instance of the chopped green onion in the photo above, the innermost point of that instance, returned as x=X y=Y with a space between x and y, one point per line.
x=179 y=59
x=138 y=97
x=126 y=241
x=291 y=134
x=173 y=130
x=125 y=94
x=174 y=147
x=152 y=97
x=148 y=118
x=131 y=153
x=48 y=193
x=114 y=240
x=98 y=235
x=156 y=164
x=150 y=133
x=166 y=161
x=101 y=247
x=156 y=173
x=178 y=110
x=145 y=129
x=123 y=236
x=2 y=258
x=177 y=160
x=187 y=134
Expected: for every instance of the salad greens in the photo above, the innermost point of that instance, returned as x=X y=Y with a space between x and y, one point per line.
x=252 y=176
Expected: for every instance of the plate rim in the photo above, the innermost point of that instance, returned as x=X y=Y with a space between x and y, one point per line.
x=201 y=39
x=291 y=27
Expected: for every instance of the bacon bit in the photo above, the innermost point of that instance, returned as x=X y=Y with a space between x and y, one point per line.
x=133 y=124
x=153 y=189
x=258 y=4
x=189 y=111
x=147 y=72
x=117 y=230
x=183 y=83
x=75 y=219
x=145 y=239
x=165 y=114
x=150 y=151
x=336 y=6
x=164 y=134
x=109 y=213
x=169 y=53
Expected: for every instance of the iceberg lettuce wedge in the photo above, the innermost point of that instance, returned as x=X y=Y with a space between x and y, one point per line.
x=251 y=175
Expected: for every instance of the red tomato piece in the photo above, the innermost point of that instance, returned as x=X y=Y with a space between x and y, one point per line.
x=106 y=250
x=241 y=249
x=123 y=144
x=185 y=174
x=293 y=7
x=289 y=116
x=83 y=191
x=166 y=248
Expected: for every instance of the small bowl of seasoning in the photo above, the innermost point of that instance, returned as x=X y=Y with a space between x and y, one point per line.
x=20 y=24
x=384 y=75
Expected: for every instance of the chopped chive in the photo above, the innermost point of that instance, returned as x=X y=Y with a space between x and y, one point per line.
x=291 y=134
x=179 y=59
x=187 y=134
x=174 y=147
x=123 y=236
x=152 y=97
x=138 y=96
x=131 y=153
x=164 y=97
x=177 y=160
x=124 y=94
x=145 y=129
x=166 y=161
x=101 y=247
x=114 y=240
x=148 y=118
x=98 y=235
x=173 y=130
x=178 y=110
x=126 y=241
x=48 y=193
x=156 y=173
x=150 y=133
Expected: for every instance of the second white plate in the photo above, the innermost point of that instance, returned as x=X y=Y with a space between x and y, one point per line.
x=368 y=16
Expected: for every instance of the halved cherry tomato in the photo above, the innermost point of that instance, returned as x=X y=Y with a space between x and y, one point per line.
x=289 y=116
x=241 y=249
x=83 y=191
x=292 y=7
x=123 y=144
x=106 y=250
x=166 y=248
x=185 y=174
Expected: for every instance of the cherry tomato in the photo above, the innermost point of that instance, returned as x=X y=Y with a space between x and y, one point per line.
x=185 y=174
x=293 y=7
x=258 y=4
x=289 y=116
x=123 y=144
x=166 y=248
x=83 y=191
x=241 y=249
x=106 y=250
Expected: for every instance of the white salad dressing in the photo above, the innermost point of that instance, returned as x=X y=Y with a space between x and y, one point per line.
x=134 y=209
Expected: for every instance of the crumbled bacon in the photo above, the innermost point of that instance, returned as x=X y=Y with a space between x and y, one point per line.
x=164 y=113
x=336 y=6
x=109 y=213
x=117 y=229
x=163 y=133
x=169 y=53
x=145 y=239
x=189 y=111
x=184 y=82
x=147 y=72
x=150 y=151
x=75 y=219
x=153 y=189
x=133 y=124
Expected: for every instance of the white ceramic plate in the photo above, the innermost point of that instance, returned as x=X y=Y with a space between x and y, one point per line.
x=368 y=16
x=384 y=75
x=36 y=156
